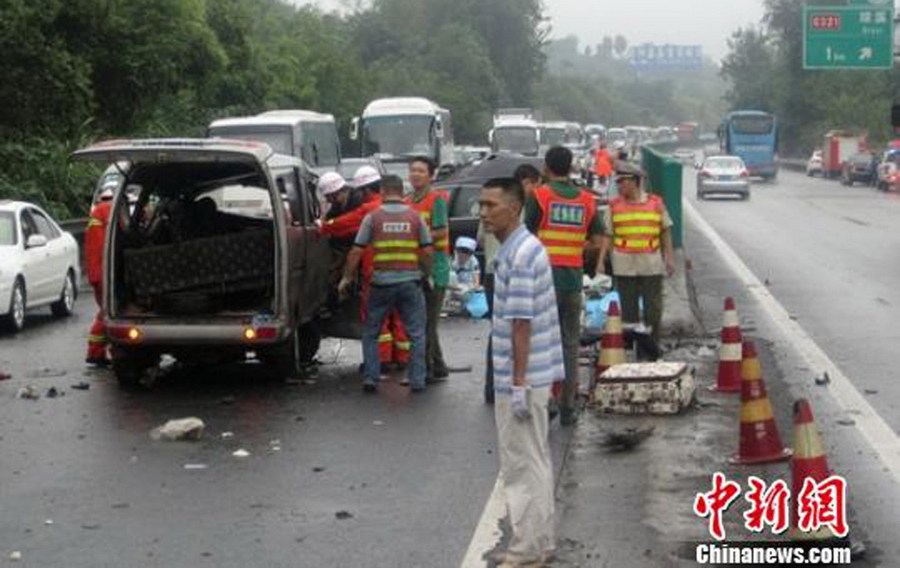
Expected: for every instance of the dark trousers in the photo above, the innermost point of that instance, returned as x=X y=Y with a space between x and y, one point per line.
x=632 y=289
x=434 y=356
x=568 y=305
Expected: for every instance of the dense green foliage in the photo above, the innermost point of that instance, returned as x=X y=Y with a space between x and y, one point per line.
x=765 y=70
x=81 y=70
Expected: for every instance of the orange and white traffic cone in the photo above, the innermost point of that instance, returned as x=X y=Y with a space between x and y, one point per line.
x=612 y=343
x=759 y=439
x=809 y=462
x=729 y=376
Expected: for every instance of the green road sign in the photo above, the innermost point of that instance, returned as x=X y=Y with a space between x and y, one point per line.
x=849 y=37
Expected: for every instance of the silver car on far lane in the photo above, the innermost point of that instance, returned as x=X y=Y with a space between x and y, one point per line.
x=723 y=175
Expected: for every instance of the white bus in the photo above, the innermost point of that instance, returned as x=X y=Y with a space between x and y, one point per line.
x=515 y=133
x=398 y=129
x=310 y=136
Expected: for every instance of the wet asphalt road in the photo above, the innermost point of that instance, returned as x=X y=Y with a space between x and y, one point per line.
x=829 y=255
x=411 y=473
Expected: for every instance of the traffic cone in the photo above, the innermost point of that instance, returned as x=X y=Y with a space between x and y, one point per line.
x=612 y=344
x=729 y=377
x=759 y=439
x=809 y=461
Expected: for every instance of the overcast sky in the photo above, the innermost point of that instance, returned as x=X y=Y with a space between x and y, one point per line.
x=705 y=22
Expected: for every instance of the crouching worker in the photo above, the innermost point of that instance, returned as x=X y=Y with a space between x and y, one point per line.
x=402 y=253
x=465 y=274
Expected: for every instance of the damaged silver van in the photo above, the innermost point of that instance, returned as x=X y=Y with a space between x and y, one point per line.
x=219 y=259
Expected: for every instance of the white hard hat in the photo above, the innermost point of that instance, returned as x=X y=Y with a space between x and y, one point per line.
x=365 y=175
x=619 y=144
x=467 y=243
x=331 y=182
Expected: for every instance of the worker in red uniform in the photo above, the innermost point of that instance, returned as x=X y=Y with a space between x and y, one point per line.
x=94 y=239
x=603 y=164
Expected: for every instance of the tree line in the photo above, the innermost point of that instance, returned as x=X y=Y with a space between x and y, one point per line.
x=81 y=70
x=764 y=70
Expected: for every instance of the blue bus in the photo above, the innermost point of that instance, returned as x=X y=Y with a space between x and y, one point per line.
x=753 y=136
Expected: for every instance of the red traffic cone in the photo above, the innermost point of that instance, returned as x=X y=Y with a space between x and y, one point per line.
x=809 y=462
x=612 y=344
x=730 y=352
x=759 y=439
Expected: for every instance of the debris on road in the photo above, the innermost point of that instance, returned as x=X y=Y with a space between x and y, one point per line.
x=227 y=435
x=377 y=423
x=823 y=380
x=15 y=556
x=5 y=376
x=627 y=439
x=182 y=429
x=343 y=515
x=241 y=453
x=846 y=422
x=871 y=391
x=46 y=373
x=91 y=527
x=318 y=469
x=28 y=393
x=48 y=522
x=227 y=400
x=83 y=386
x=275 y=445
x=195 y=466
x=52 y=392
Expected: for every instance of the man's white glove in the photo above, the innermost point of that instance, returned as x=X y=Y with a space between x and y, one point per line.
x=520 y=402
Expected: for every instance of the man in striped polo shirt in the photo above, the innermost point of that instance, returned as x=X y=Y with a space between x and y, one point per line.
x=528 y=359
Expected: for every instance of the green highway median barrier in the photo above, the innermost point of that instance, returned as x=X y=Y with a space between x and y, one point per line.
x=664 y=175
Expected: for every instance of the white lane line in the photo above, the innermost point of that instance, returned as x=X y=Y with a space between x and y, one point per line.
x=487 y=533
x=874 y=429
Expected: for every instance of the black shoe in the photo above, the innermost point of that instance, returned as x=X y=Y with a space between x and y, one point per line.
x=568 y=416
x=370 y=388
x=98 y=362
x=417 y=389
x=442 y=374
x=552 y=409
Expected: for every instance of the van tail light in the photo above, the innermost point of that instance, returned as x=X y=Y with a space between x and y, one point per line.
x=253 y=334
x=745 y=173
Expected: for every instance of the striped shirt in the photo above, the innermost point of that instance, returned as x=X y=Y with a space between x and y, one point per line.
x=523 y=289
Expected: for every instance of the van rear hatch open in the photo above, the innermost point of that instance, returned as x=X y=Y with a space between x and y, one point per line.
x=200 y=245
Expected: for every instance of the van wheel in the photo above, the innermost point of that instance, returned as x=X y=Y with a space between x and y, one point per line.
x=284 y=359
x=130 y=367
x=66 y=303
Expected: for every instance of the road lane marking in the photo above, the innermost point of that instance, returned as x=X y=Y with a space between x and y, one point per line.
x=487 y=532
x=871 y=425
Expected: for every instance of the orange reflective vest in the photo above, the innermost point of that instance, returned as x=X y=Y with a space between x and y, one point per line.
x=94 y=238
x=425 y=207
x=395 y=240
x=564 y=225
x=637 y=227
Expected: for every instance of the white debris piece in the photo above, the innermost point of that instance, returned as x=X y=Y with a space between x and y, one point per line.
x=29 y=393
x=241 y=453
x=227 y=435
x=15 y=556
x=195 y=466
x=182 y=429
x=48 y=522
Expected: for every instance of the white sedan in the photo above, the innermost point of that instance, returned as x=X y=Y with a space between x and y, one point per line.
x=39 y=264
